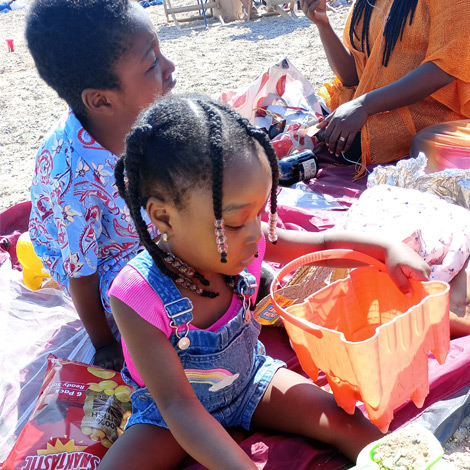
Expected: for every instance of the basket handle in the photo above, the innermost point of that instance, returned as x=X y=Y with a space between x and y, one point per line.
x=313 y=258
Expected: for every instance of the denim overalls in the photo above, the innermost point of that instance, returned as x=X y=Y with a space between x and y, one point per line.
x=227 y=369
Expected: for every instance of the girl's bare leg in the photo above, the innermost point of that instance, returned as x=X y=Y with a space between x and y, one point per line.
x=144 y=447
x=460 y=303
x=295 y=405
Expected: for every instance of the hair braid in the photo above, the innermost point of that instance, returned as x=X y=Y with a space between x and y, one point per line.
x=263 y=140
x=161 y=161
x=394 y=25
x=215 y=137
x=130 y=162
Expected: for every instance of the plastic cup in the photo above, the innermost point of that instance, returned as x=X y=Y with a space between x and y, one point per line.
x=11 y=48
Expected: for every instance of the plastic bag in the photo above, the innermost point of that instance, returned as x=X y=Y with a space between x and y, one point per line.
x=282 y=98
x=80 y=412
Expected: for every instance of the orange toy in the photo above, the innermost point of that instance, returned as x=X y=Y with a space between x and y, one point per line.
x=369 y=339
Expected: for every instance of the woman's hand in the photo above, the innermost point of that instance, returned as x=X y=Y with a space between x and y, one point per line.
x=343 y=124
x=403 y=264
x=315 y=11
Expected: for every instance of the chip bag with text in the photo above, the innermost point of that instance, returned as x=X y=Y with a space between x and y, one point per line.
x=80 y=412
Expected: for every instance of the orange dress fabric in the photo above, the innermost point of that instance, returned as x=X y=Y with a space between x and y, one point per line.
x=439 y=33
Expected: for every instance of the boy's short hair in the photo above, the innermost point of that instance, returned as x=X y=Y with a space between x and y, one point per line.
x=76 y=43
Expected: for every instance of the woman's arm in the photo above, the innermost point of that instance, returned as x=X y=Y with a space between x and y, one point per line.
x=191 y=425
x=348 y=118
x=85 y=292
x=339 y=57
x=401 y=261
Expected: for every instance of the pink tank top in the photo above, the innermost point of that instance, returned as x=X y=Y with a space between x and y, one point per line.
x=131 y=288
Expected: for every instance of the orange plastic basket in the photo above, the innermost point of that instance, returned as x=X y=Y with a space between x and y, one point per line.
x=369 y=339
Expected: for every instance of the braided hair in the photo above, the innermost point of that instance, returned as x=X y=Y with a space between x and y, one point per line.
x=394 y=26
x=184 y=142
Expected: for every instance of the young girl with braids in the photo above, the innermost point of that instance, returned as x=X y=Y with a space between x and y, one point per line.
x=183 y=306
x=400 y=69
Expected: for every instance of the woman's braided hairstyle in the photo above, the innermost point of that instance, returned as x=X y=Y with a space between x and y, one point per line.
x=180 y=143
x=394 y=26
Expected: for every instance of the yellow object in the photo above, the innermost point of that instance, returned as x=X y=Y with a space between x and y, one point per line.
x=33 y=270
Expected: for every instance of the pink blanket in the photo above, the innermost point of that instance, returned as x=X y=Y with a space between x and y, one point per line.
x=268 y=451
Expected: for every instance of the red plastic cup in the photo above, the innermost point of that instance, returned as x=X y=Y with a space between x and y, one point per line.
x=11 y=48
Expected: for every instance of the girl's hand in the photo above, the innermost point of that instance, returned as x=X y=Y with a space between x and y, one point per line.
x=342 y=125
x=403 y=264
x=109 y=357
x=315 y=11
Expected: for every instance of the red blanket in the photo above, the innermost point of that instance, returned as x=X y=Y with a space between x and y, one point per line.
x=286 y=452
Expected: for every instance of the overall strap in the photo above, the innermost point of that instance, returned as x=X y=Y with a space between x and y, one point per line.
x=178 y=308
x=246 y=287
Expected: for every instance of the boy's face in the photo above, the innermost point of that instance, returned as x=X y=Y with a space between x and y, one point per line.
x=144 y=73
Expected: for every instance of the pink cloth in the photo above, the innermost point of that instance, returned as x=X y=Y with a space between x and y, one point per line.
x=132 y=288
x=273 y=451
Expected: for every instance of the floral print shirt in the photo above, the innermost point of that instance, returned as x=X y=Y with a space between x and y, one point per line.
x=78 y=223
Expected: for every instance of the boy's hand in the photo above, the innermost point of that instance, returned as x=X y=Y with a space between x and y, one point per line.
x=109 y=357
x=403 y=264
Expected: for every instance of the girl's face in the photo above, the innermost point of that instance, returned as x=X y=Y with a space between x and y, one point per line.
x=246 y=187
x=144 y=72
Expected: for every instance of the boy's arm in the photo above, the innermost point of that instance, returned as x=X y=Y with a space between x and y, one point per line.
x=86 y=297
x=401 y=261
x=196 y=430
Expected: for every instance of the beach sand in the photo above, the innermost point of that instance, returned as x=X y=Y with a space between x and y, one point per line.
x=212 y=60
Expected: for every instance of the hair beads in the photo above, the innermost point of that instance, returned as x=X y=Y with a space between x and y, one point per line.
x=272 y=234
x=183 y=268
x=221 y=239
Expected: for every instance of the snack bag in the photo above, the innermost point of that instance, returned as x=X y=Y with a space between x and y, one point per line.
x=80 y=412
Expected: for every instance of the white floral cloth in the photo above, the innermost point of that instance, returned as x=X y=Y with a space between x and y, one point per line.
x=436 y=229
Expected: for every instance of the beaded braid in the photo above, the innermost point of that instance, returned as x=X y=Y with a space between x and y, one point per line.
x=394 y=26
x=263 y=140
x=215 y=136
x=135 y=146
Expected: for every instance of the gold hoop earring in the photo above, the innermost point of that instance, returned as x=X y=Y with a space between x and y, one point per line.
x=165 y=237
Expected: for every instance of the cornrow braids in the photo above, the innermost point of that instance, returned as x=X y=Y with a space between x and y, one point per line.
x=215 y=136
x=135 y=148
x=178 y=144
x=263 y=140
x=394 y=26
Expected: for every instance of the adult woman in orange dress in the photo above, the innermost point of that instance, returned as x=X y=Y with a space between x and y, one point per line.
x=402 y=66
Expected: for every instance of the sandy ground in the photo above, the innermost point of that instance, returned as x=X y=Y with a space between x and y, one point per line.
x=211 y=60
